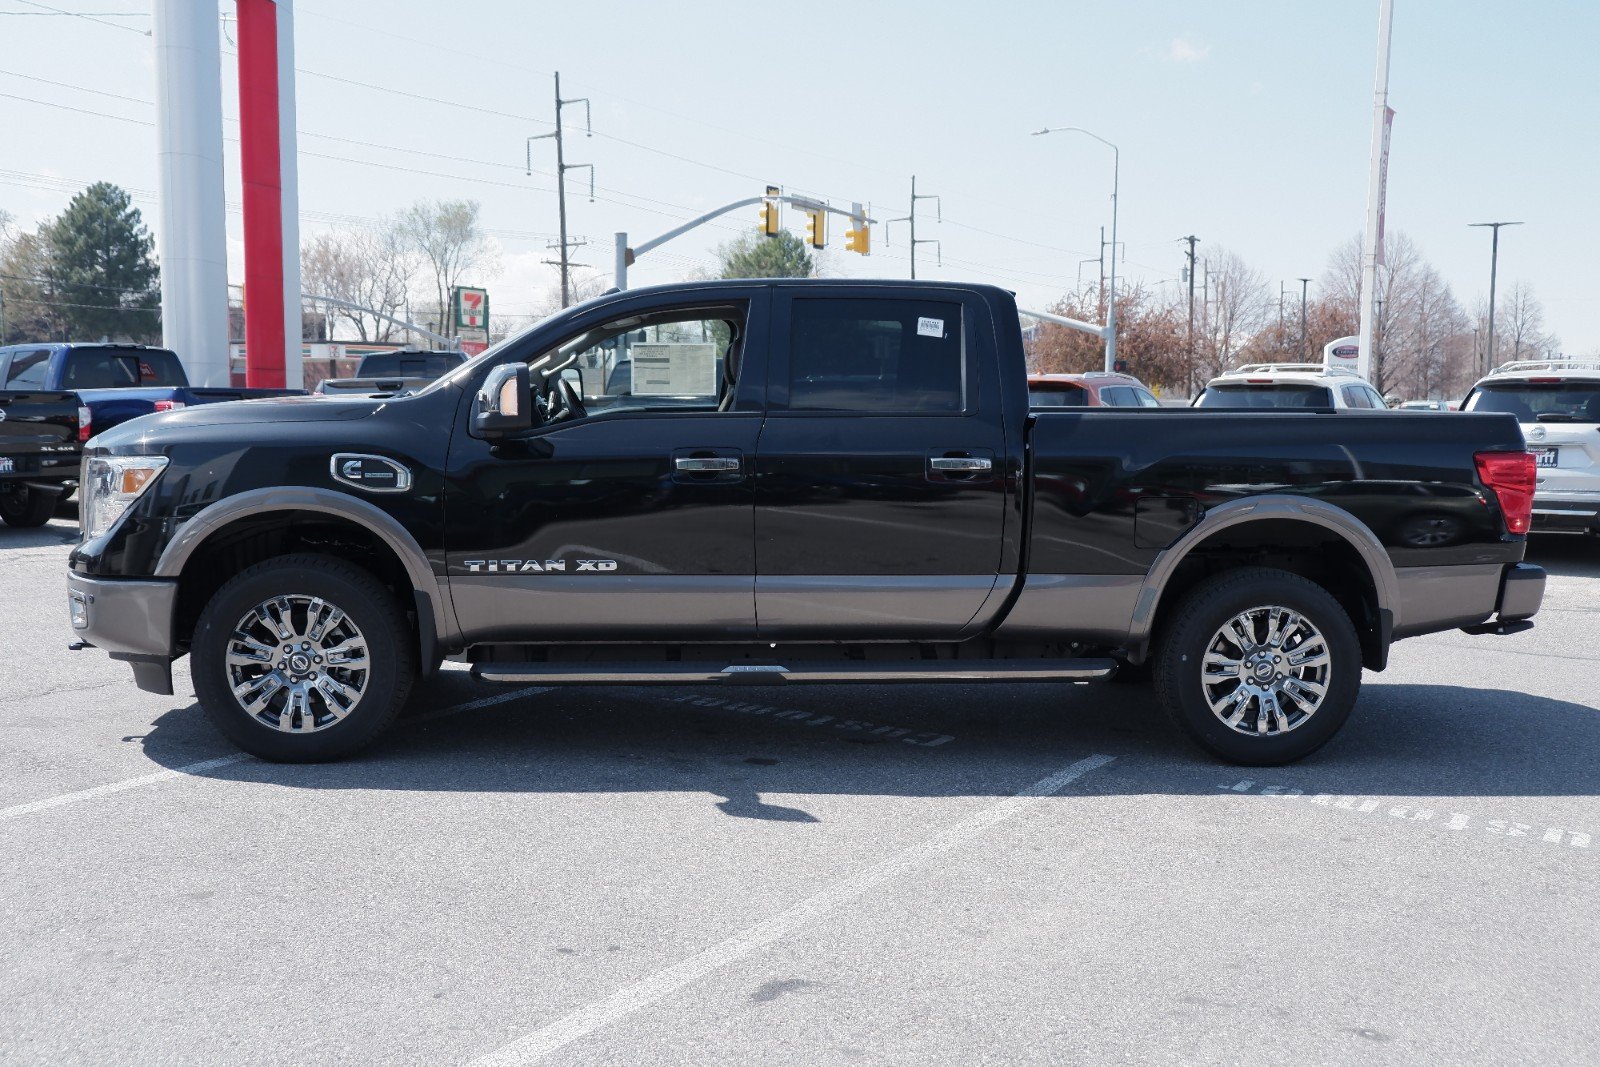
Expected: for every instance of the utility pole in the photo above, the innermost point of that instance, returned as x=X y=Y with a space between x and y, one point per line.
x=1494 y=263
x=912 y=219
x=562 y=166
x=1305 y=353
x=1193 y=240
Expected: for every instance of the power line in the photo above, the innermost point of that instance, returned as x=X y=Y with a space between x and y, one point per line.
x=86 y=16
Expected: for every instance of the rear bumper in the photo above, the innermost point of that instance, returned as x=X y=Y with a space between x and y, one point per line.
x=1572 y=511
x=1433 y=599
x=129 y=619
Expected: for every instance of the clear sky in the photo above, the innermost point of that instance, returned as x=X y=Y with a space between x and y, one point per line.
x=1243 y=122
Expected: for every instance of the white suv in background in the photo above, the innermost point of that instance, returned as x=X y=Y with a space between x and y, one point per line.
x=1290 y=385
x=1558 y=404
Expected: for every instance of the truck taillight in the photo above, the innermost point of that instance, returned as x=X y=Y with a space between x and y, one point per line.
x=1511 y=476
x=85 y=423
x=168 y=405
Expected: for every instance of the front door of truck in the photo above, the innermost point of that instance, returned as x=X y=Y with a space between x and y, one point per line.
x=627 y=515
x=881 y=478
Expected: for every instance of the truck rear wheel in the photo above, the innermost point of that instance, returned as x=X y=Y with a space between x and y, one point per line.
x=1259 y=666
x=302 y=658
x=23 y=505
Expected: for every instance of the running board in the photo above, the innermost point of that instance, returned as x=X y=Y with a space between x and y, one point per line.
x=993 y=670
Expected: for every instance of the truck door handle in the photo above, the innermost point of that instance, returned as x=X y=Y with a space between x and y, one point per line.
x=706 y=464
x=961 y=464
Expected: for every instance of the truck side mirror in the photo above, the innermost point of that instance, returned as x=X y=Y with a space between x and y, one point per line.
x=505 y=403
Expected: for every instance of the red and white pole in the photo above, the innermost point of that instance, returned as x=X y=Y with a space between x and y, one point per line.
x=267 y=150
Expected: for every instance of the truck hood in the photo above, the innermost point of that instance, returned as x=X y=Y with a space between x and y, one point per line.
x=278 y=409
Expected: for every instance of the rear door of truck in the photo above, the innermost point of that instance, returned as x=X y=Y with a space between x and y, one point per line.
x=882 y=471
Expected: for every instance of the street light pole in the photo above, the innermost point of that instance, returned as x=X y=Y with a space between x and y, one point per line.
x=1305 y=353
x=1494 y=263
x=1116 y=177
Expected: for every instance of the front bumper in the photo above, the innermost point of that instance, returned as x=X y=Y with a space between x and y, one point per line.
x=131 y=620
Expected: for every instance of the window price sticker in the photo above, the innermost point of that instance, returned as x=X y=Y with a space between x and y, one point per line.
x=930 y=327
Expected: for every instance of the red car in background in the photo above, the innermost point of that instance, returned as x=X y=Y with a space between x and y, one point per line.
x=1096 y=389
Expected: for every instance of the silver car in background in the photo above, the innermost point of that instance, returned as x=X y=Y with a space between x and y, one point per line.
x=1558 y=403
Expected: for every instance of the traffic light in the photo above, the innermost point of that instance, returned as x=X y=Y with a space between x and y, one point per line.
x=859 y=238
x=1120 y=366
x=769 y=212
x=817 y=229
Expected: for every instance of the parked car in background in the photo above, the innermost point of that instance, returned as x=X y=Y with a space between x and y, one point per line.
x=1096 y=389
x=384 y=374
x=1558 y=404
x=41 y=442
x=1290 y=385
x=117 y=382
x=1425 y=405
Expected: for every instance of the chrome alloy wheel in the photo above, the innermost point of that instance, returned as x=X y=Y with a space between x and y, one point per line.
x=1266 y=671
x=297 y=663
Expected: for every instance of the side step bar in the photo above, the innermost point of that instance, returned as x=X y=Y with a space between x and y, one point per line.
x=994 y=670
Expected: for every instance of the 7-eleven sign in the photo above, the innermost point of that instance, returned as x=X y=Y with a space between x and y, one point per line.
x=471 y=310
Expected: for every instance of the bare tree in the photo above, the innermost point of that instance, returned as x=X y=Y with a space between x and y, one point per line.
x=367 y=267
x=447 y=236
x=1235 y=308
x=1519 y=329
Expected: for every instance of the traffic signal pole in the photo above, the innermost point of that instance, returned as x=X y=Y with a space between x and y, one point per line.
x=625 y=255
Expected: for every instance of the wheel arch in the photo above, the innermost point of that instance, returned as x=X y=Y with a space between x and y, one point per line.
x=283 y=508
x=1239 y=528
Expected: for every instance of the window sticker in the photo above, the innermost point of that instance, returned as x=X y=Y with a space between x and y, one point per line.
x=927 y=327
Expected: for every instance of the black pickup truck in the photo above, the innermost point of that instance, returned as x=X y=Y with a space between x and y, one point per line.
x=41 y=441
x=814 y=482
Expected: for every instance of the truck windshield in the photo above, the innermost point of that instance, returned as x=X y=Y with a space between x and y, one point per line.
x=114 y=368
x=1557 y=401
x=1274 y=395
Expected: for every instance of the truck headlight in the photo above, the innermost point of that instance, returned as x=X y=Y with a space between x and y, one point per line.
x=110 y=486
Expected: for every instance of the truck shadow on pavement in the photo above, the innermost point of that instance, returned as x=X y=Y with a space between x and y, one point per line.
x=934 y=741
x=1566 y=555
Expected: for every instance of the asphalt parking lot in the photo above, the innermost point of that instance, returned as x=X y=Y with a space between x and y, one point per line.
x=906 y=875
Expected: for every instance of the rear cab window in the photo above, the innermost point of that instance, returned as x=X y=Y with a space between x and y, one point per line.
x=1266 y=395
x=121 y=368
x=29 y=370
x=1553 y=400
x=407 y=366
x=1061 y=395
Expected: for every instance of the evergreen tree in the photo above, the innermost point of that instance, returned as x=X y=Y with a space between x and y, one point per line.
x=105 y=279
x=760 y=256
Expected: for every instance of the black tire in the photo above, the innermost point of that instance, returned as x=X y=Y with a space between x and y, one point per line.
x=23 y=506
x=1197 y=620
x=371 y=608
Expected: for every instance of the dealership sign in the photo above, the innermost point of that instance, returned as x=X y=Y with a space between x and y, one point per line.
x=1342 y=352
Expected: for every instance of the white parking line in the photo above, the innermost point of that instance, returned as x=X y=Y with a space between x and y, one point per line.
x=542 y=1042
x=188 y=769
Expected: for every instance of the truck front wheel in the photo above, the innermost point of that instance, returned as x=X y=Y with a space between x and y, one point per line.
x=1259 y=666
x=23 y=505
x=302 y=658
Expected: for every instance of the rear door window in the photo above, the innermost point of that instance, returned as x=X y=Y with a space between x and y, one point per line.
x=1356 y=397
x=1557 y=401
x=1119 y=396
x=1266 y=395
x=890 y=356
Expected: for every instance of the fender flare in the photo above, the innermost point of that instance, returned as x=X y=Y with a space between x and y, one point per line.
x=1352 y=530
x=433 y=615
